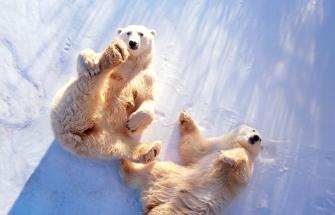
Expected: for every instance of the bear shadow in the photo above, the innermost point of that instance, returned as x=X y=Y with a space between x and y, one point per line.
x=65 y=184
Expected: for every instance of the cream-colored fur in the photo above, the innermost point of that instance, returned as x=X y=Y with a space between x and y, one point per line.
x=217 y=170
x=112 y=99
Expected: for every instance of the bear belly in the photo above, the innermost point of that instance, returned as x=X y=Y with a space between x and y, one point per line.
x=119 y=106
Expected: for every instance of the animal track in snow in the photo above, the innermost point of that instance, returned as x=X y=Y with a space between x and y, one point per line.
x=68 y=44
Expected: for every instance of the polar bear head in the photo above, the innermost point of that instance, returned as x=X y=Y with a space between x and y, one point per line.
x=248 y=138
x=138 y=39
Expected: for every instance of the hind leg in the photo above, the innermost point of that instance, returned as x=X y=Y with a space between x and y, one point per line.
x=145 y=153
x=131 y=150
x=192 y=146
x=107 y=145
x=141 y=118
x=90 y=144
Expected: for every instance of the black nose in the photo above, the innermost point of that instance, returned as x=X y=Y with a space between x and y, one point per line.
x=133 y=44
x=254 y=139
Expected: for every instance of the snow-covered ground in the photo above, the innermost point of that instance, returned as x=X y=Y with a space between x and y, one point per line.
x=266 y=63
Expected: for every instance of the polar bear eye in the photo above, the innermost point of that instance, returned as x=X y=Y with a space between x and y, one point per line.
x=140 y=33
x=129 y=33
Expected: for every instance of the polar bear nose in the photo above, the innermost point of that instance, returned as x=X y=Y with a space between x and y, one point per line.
x=254 y=139
x=133 y=44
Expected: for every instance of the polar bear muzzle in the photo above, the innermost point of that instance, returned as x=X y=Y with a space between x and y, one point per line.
x=133 y=45
x=254 y=139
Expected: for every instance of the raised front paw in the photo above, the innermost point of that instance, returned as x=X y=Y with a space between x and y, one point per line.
x=186 y=123
x=138 y=121
x=114 y=54
x=88 y=63
x=185 y=118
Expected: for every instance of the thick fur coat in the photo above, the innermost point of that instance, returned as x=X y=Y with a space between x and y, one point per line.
x=97 y=114
x=215 y=171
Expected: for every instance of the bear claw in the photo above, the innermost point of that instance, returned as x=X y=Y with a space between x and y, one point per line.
x=128 y=127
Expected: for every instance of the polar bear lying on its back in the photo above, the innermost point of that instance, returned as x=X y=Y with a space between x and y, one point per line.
x=97 y=114
x=218 y=169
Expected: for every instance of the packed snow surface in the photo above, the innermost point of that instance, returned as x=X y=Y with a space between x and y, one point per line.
x=269 y=64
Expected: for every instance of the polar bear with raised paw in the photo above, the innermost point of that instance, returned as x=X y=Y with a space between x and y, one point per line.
x=217 y=169
x=112 y=99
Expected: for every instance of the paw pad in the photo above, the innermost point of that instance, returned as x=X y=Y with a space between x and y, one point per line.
x=151 y=154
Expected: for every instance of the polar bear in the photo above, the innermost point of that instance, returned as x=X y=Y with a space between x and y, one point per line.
x=217 y=170
x=99 y=114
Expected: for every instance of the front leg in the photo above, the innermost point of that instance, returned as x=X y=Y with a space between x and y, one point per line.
x=192 y=145
x=141 y=118
x=90 y=63
x=115 y=53
x=234 y=164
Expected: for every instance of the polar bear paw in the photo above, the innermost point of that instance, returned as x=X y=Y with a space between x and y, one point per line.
x=88 y=63
x=185 y=118
x=186 y=122
x=114 y=54
x=149 y=152
x=138 y=121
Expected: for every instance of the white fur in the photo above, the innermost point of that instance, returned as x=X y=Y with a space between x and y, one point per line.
x=98 y=114
x=217 y=169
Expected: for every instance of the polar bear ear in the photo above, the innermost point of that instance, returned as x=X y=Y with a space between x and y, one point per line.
x=153 y=32
x=119 y=30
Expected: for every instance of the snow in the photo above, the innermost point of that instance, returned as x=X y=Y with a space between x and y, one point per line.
x=265 y=63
